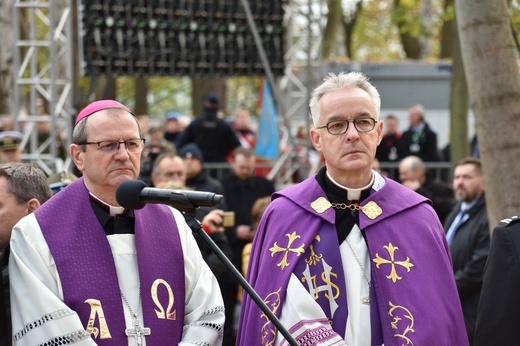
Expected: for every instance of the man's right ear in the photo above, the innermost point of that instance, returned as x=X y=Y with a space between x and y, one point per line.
x=77 y=155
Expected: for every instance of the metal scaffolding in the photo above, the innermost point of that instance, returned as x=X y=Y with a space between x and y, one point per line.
x=305 y=21
x=43 y=79
x=44 y=62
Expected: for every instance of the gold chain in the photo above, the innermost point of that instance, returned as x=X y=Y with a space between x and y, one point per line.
x=344 y=206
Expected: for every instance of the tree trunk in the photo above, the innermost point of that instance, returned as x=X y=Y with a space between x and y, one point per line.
x=6 y=56
x=447 y=31
x=411 y=43
x=201 y=86
x=494 y=86
x=349 y=23
x=459 y=98
x=141 y=93
x=333 y=27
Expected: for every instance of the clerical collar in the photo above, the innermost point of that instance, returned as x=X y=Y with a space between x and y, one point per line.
x=352 y=194
x=112 y=210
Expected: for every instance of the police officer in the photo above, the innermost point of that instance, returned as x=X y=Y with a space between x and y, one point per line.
x=498 y=314
x=10 y=146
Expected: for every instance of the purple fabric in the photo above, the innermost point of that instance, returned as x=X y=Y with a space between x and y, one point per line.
x=328 y=247
x=422 y=306
x=87 y=270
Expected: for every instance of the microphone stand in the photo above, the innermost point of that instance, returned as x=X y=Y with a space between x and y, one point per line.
x=196 y=226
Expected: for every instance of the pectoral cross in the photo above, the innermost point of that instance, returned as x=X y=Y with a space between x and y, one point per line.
x=138 y=332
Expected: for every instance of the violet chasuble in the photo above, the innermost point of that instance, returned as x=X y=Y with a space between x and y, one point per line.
x=413 y=297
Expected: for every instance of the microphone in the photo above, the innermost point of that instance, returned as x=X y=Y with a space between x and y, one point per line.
x=134 y=194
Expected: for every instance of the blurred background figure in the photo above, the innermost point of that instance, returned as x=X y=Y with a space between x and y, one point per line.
x=419 y=140
x=169 y=172
x=60 y=180
x=144 y=124
x=257 y=210
x=389 y=148
x=214 y=137
x=6 y=124
x=172 y=127
x=467 y=231
x=243 y=129
x=23 y=188
x=241 y=189
x=150 y=152
x=10 y=146
x=498 y=313
x=43 y=128
x=197 y=178
x=413 y=175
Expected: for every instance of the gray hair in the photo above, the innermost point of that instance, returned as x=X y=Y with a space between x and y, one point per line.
x=26 y=182
x=80 y=133
x=343 y=80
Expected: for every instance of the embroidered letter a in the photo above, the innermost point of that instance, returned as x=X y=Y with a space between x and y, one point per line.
x=97 y=309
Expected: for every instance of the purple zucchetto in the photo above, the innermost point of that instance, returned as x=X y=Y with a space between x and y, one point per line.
x=97 y=106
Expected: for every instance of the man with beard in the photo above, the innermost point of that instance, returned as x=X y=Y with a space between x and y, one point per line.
x=467 y=232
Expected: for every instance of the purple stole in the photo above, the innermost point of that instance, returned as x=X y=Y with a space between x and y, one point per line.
x=420 y=303
x=87 y=271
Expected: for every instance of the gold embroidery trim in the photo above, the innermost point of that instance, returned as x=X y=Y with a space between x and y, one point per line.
x=378 y=260
x=371 y=209
x=278 y=249
x=405 y=315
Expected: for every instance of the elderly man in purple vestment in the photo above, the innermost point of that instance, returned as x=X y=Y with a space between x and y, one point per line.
x=86 y=271
x=349 y=257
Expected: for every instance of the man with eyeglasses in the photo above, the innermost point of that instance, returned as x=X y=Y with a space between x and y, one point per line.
x=352 y=257
x=85 y=270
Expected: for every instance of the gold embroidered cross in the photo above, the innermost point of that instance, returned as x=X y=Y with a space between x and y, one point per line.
x=393 y=273
x=275 y=249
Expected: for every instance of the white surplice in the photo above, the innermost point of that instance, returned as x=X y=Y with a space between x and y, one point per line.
x=40 y=315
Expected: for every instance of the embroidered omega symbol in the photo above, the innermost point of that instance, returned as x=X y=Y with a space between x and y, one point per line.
x=161 y=313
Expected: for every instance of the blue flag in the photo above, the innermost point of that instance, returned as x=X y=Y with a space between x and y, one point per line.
x=267 y=138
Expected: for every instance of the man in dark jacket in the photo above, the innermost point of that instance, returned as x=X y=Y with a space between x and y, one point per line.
x=241 y=189
x=498 y=315
x=419 y=139
x=467 y=232
x=169 y=172
x=413 y=175
x=23 y=188
x=214 y=136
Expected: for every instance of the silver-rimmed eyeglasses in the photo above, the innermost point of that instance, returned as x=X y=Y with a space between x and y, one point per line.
x=134 y=145
x=339 y=127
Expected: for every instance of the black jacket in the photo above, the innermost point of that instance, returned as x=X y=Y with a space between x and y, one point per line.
x=498 y=317
x=441 y=195
x=214 y=137
x=469 y=252
x=5 y=311
x=203 y=182
x=240 y=196
x=423 y=144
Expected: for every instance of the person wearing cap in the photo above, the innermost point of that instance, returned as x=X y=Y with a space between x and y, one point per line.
x=197 y=178
x=86 y=270
x=23 y=188
x=10 y=146
x=173 y=127
x=214 y=136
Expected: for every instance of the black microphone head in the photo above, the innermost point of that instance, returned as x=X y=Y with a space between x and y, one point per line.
x=128 y=194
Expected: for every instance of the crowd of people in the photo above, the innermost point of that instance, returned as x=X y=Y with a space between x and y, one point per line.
x=348 y=256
